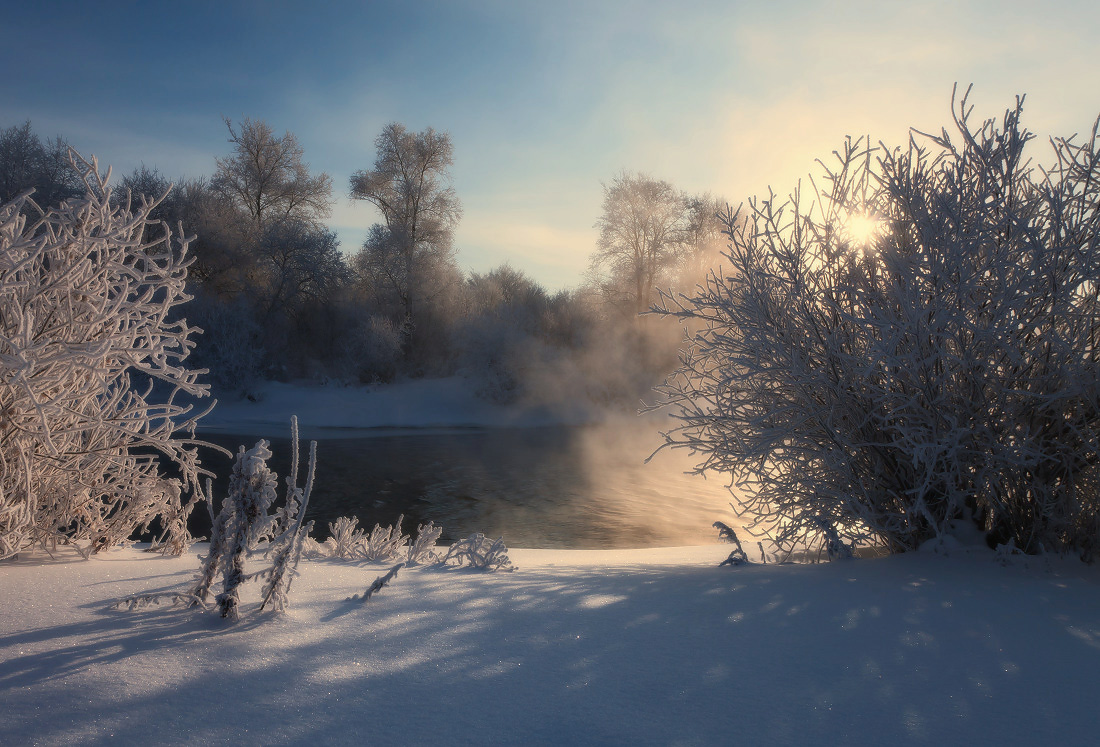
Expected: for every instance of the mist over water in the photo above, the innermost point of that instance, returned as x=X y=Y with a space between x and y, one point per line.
x=552 y=487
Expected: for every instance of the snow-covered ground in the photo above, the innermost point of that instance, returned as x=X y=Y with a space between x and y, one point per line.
x=655 y=646
x=420 y=403
x=652 y=646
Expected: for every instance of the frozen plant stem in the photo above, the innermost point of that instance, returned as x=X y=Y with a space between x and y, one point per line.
x=378 y=583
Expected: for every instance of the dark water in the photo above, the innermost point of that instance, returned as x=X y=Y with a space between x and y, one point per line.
x=559 y=487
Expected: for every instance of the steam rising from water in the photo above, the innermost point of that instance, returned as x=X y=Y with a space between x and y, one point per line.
x=658 y=501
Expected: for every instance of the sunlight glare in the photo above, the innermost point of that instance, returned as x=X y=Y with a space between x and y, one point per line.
x=862 y=229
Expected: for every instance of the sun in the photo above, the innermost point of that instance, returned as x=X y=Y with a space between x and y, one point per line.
x=862 y=229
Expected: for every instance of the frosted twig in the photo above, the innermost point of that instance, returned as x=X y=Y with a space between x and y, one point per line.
x=378 y=583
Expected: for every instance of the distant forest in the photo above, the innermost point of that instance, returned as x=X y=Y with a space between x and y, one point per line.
x=279 y=299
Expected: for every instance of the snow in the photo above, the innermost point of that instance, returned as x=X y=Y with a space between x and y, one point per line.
x=417 y=403
x=652 y=646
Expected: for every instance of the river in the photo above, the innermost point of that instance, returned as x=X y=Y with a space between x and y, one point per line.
x=548 y=487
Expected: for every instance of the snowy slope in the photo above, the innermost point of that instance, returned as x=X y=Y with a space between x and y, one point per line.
x=575 y=647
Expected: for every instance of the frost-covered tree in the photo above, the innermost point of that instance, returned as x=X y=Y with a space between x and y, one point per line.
x=409 y=185
x=302 y=264
x=267 y=178
x=914 y=343
x=642 y=230
x=705 y=239
x=28 y=162
x=93 y=378
x=478 y=551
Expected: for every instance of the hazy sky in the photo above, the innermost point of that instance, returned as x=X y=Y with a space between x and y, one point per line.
x=543 y=100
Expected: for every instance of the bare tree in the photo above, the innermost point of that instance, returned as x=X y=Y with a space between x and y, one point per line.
x=266 y=177
x=937 y=363
x=409 y=184
x=642 y=231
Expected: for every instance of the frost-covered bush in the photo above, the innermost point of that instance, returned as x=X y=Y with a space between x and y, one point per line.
x=477 y=551
x=93 y=383
x=915 y=343
x=245 y=519
x=345 y=538
x=247 y=525
x=349 y=543
x=384 y=542
x=737 y=555
x=422 y=549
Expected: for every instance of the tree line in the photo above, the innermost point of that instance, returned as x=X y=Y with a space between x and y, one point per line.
x=277 y=298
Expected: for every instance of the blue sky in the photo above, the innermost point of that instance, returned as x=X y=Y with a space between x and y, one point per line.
x=544 y=101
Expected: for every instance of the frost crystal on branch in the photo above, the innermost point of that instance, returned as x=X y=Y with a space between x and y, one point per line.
x=91 y=373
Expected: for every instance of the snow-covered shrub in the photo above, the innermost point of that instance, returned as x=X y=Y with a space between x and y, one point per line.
x=241 y=526
x=245 y=519
x=93 y=383
x=384 y=543
x=346 y=538
x=236 y=530
x=477 y=551
x=422 y=549
x=737 y=555
x=916 y=342
x=313 y=549
x=349 y=543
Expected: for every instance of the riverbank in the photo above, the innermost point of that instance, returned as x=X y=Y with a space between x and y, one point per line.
x=655 y=646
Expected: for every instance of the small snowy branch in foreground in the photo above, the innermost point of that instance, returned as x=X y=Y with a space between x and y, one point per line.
x=378 y=583
x=737 y=556
x=288 y=547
